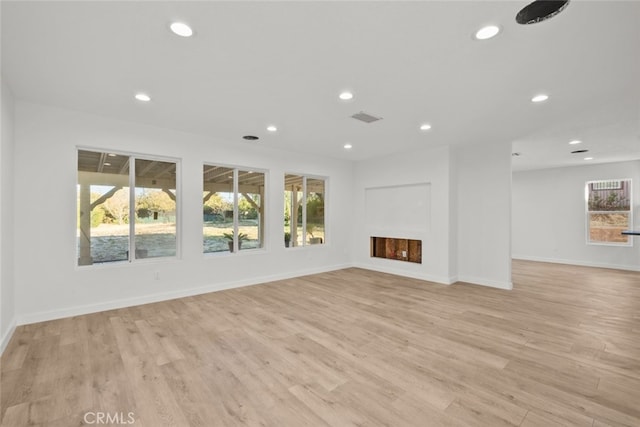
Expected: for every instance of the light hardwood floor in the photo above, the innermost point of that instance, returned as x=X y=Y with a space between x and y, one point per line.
x=350 y=347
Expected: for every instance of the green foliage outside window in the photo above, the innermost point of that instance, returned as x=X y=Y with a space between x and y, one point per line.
x=610 y=202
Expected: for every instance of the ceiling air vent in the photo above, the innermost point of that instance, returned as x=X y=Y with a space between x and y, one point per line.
x=540 y=10
x=364 y=117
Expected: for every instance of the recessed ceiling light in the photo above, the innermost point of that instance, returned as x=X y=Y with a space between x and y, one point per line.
x=272 y=128
x=347 y=146
x=181 y=29
x=588 y=158
x=346 y=96
x=143 y=97
x=487 y=32
x=540 y=98
x=111 y=155
x=575 y=142
x=107 y=164
x=425 y=126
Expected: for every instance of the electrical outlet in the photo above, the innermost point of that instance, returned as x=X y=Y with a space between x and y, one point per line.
x=404 y=254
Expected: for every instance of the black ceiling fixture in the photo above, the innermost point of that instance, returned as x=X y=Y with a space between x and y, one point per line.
x=250 y=137
x=540 y=10
x=579 y=151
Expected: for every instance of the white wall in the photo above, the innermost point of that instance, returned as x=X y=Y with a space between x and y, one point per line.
x=483 y=175
x=7 y=290
x=549 y=216
x=49 y=285
x=426 y=166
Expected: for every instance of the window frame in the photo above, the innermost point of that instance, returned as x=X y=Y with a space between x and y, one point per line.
x=588 y=212
x=236 y=200
x=131 y=179
x=303 y=203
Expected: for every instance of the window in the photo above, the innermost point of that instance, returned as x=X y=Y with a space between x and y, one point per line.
x=304 y=214
x=609 y=211
x=111 y=219
x=232 y=209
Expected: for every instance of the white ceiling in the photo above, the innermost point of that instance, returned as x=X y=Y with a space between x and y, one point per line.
x=251 y=64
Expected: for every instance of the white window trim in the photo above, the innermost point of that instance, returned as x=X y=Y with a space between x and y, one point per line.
x=304 y=208
x=132 y=260
x=629 y=243
x=236 y=200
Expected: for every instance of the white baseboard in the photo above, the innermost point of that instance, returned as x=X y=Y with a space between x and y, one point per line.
x=486 y=282
x=443 y=280
x=577 y=262
x=7 y=336
x=165 y=296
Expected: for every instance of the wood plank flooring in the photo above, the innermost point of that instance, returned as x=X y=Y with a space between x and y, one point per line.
x=346 y=348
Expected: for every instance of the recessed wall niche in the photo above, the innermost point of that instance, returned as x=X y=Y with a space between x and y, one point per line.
x=399 y=207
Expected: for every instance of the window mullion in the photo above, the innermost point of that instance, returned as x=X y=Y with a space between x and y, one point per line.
x=235 y=211
x=304 y=211
x=132 y=207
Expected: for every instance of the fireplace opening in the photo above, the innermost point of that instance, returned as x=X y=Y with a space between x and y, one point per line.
x=408 y=250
